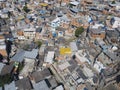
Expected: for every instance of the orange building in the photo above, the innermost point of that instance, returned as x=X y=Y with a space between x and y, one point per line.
x=97 y=33
x=2 y=46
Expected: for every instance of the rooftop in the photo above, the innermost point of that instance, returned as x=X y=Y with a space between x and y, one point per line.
x=23 y=84
x=41 y=75
x=41 y=86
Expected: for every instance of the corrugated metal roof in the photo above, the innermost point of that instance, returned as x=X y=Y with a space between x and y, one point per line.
x=10 y=86
x=18 y=56
x=31 y=54
x=25 y=54
x=42 y=85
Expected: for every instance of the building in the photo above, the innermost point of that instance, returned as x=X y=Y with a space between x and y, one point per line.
x=23 y=84
x=42 y=85
x=50 y=57
x=97 y=31
x=10 y=86
x=41 y=75
x=2 y=46
x=29 y=33
x=116 y=23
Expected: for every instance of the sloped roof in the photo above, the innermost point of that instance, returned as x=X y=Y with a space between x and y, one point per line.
x=31 y=54
x=10 y=86
x=18 y=56
x=7 y=69
x=42 y=85
x=40 y=75
x=23 y=84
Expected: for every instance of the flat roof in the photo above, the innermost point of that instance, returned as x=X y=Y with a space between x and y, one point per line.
x=50 y=57
x=64 y=51
x=74 y=3
x=73 y=46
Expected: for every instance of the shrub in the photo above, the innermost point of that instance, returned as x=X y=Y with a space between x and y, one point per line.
x=79 y=31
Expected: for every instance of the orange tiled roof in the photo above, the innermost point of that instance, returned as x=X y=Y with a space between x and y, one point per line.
x=20 y=33
x=1 y=37
x=3 y=52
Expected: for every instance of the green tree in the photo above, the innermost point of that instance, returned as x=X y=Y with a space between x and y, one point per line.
x=39 y=43
x=113 y=2
x=79 y=31
x=25 y=8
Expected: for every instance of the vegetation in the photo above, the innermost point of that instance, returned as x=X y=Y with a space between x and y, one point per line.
x=113 y=2
x=79 y=31
x=26 y=47
x=25 y=8
x=5 y=79
x=39 y=43
x=21 y=66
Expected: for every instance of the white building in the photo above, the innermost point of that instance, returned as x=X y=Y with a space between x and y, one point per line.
x=116 y=23
x=50 y=57
x=29 y=33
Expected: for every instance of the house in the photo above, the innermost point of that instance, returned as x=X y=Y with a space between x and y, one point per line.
x=29 y=60
x=60 y=87
x=42 y=49
x=73 y=65
x=52 y=82
x=55 y=23
x=50 y=57
x=116 y=23
x=65 y=22
x=112 y=36
x=2 y=0
x=7 y=69
x=63 y=66
x=73 y=46
x=20 y=35
x=38 y=35
x=1 y=66
x=31 y=54
x=80 y=73
x=1 y=88
x=41 y=75
x=99 y=66
x=88 y=72
x=19 y=56
x=29 y=33
x=80 y=55
x=112 y=53
x=116 y=5
x=74 y=4
x=65 y=51
x=42 y=85
x=2 y=46
x=10 y=86
x=97 y=31
x=23 y=84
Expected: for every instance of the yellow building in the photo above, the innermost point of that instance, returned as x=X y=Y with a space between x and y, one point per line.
x=64 y=51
